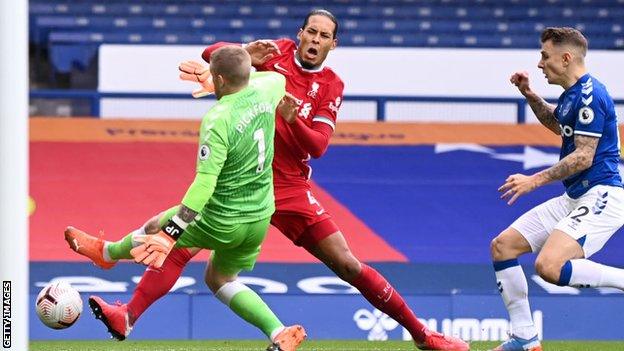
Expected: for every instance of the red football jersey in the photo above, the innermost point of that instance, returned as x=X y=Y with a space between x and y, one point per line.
x=319 y=94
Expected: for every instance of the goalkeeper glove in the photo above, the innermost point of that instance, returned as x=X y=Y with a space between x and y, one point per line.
x=155 y=248
x=196 y=72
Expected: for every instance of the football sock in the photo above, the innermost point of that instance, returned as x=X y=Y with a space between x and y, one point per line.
x=586 y=273
x=513 y=287
x=376 y=289
x=250 y=307
x=156 y=282
x=121 y=249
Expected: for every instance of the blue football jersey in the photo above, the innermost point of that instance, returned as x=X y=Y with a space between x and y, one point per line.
x=587 y=109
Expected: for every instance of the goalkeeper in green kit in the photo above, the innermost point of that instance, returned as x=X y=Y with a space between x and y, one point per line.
x=228 y=206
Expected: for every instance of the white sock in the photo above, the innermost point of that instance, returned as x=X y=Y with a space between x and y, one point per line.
x=105 y=253
x=227 y=292
x=276 y=332
x=512 y=285
x=586 y=273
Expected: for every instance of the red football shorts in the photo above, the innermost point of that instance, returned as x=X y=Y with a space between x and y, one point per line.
x=302 y=219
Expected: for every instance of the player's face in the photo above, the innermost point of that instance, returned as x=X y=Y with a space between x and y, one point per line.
x=316 y=40
x=552 y=62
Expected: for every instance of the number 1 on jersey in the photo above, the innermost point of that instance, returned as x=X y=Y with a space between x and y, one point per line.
x=258 y=135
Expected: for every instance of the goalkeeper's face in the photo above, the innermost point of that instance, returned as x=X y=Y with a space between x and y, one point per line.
x=316 y=39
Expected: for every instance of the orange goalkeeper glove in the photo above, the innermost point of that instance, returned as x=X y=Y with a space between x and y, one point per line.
x=196 y=72
x=155 y=248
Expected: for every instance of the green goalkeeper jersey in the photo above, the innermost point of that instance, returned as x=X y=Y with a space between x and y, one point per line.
x=235 y=154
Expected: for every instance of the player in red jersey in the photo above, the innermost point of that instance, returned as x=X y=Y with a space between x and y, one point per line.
x=304 y=129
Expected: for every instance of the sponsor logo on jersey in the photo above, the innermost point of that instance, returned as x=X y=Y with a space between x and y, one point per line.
x=335 y=106
x=566 y=131
x=298 y=101
x=305 y=110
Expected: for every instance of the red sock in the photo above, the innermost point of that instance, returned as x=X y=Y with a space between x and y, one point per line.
x=376 y=289
x=156 y=282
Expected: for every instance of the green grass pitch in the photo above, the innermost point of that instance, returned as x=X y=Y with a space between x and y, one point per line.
x=328 y=345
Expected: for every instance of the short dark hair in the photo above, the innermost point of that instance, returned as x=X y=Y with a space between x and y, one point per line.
x=321 y=12
x=233 y=63
x=565 y=36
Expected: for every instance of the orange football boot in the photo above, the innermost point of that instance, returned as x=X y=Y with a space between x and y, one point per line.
x=288 y=339
x=88 y=246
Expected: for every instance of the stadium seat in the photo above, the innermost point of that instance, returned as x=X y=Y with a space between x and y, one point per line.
x=435 y=23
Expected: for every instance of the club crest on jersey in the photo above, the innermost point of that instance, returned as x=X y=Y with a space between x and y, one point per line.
x=204 y=152
x=586 y=115
x=566 y=108
x=313 y=90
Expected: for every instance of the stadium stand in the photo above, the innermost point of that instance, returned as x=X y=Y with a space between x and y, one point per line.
x=72 y=31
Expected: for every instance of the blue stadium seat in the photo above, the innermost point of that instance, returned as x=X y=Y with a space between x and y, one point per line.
x=435 y=23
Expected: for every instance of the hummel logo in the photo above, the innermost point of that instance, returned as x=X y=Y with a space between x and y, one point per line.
x=280 y=68
x=587 y=101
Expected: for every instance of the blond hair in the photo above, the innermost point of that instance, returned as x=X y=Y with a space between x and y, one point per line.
x=233 y=63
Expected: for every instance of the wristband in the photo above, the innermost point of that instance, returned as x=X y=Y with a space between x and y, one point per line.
x=174 y=227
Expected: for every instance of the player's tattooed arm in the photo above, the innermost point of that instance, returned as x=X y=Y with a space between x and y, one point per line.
x=186 y=214
x=544 y=111
x=517 y=185
x=579 y=160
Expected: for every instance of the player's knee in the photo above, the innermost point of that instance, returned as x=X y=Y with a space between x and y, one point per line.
x=547 y=269
x=212 y=281
x=498 y=248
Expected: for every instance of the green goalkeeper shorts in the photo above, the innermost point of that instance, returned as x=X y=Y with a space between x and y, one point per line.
x=234 y=248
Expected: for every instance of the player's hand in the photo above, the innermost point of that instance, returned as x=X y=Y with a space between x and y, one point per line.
x=517 y=185
x=154 y=249
x=261 y=51
x=196 y=72
x=287 y=108
x=521 y=81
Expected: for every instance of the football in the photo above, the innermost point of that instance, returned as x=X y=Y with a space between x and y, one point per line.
x=59 y=305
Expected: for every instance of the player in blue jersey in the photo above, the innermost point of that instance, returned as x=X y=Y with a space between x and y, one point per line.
x=565 y=231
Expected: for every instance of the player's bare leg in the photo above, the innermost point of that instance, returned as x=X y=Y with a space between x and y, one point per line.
x=335 y=253
x=512 y=284
x=562 y=261
x=558 y=249
x=250 y=307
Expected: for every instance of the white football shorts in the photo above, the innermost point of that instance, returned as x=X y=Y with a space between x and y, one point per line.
x=591 y=219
